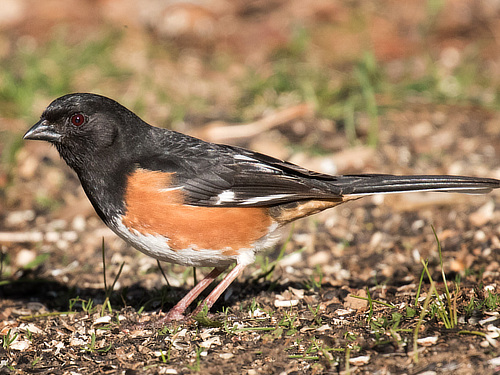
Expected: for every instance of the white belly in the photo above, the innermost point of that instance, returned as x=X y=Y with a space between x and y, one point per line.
x=157 y=247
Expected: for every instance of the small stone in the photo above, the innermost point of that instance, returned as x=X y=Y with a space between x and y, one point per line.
x=77 y=341
x=323 y=328
x=102 y=320
x=494 y=361
x=24 y=257
x=30 y=327
x=356 y=303
x=79 y=224
x=483 y=215
x=286 y=303
x=359 y=361
x=427 y=341
x=16 y=218
x=214 y=340
x=20 y=345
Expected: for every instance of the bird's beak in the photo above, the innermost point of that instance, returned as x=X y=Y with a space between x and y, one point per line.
x=42 y=131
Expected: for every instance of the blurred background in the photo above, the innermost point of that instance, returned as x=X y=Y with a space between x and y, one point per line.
x=337 y=86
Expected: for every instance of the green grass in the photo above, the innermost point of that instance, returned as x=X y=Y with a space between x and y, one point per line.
x=315 y=280
x=364 y=89
x=296 y=81
x=92 y=346
x=314 y=350
x=8 y=339
x=11 y=146
x=444 y=308
x=52 y=69
x=440 y=309
x=196 y=366
x=436 y=306
x=357 y=93
x=86 y=305
x=488 y=302
x=108 y=290
x=38 y=73
x=34 y=73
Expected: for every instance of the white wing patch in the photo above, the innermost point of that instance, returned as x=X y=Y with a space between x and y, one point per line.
x=265 y=198
x=244 y=157
x=226 y=196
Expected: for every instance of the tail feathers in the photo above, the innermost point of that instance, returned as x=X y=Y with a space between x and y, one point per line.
x=379 y=184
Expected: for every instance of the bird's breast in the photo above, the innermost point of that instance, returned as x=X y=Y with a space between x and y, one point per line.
x=156 y=221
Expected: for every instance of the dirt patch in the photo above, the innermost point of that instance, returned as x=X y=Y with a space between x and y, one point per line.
x=299 y=318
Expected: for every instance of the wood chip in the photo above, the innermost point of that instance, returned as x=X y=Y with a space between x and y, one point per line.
x=356 y=303
x=286 y=303
x=359 y=361
x=483 y=215
x=25 y=327
x=102 y=320
x=221 y=132
x=214 y=340
x=20 y=345
x=427 y=341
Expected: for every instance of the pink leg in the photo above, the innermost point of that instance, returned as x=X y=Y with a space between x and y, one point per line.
x=177 y=312
x=220 y=288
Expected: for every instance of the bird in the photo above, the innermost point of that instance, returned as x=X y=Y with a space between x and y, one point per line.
x=190 y=202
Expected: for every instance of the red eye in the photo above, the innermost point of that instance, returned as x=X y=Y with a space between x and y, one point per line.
x=77 y=119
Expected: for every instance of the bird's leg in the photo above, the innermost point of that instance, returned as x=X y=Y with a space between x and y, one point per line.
x=177 y=312
x=220 y=288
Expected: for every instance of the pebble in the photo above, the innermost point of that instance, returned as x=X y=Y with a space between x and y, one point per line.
x=79 y=223
x=490 y=288
x=20 y=345
x=24 y=257
x=320 y=257
x=359 y=361
x=77 y=341
x=494 y=361
x=427 y=341
x=342 y=312
x=291 y=260
x=16 y=218
x=30 y=327
x=483 y=215
x=480 y=236
x=258 y=313
x=58 y=224
x=289 y=303
x=102 y=320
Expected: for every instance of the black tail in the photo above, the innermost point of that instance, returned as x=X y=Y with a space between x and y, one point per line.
x=380 y=183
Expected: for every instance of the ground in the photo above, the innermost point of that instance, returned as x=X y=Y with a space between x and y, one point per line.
x=339 y=87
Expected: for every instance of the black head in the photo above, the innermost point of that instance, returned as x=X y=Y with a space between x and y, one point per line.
x=83 y=126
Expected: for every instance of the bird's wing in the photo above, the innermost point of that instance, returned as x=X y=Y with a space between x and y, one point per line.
x=226 y=176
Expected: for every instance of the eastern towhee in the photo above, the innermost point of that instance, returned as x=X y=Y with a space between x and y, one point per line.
x=186 y=201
